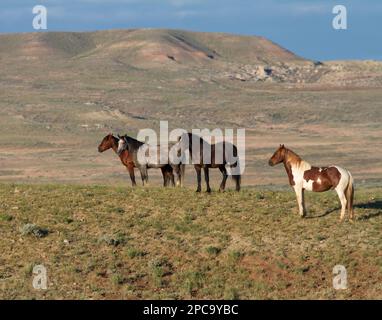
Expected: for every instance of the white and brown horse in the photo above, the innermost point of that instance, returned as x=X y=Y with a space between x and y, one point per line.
x=302 y=176
x=145 y=156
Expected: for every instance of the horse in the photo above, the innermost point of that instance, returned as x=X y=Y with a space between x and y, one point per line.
x=214 y=150
x=302 y=176
x=137 y=148
x=111 y=142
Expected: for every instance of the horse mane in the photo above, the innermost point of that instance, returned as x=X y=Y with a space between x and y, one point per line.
x=191 y=136
x=115 y=139
x=133 y=143
x=292 y=157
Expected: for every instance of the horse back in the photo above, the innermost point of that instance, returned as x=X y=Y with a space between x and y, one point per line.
x=219 y=155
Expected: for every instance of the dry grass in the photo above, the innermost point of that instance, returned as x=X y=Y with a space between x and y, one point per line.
x=117 y=242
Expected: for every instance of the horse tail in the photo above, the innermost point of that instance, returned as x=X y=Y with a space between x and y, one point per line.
x=350 y=194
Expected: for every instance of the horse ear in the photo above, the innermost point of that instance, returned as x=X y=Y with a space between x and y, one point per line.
x=282 y=146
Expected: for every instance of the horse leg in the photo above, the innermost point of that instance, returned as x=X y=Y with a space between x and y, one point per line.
x=207 y=178
x=144 y=175
x=165 y=177
x=178 y=175
x=350 y=199
x=300 y=200
x=223 y=170
x=130 y=168
x=198 y=170
x=182 y=168
x=341 y=195
x=170 y=175
x=237 y=178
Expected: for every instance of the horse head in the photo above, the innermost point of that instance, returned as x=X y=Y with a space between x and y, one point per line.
x=122 y=144
x=106 y=143
x=278 y=156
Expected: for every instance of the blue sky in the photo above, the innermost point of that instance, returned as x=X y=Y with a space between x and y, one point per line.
x=304 y=27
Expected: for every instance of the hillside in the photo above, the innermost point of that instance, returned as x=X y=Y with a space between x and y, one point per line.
x=146 y=44
x=60 y=93
x=118 y=243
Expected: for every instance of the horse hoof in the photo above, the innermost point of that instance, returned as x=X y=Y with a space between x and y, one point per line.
x=198 y=190
x=208 y=191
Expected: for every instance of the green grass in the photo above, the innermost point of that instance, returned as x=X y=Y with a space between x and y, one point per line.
x=113 y=242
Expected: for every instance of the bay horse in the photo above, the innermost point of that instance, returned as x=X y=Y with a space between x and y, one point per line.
x=214 y=149
x=302 y=176
x=134 y=147
x=111 y=142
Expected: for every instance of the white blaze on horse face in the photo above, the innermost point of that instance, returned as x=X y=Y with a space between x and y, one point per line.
x=121 y=145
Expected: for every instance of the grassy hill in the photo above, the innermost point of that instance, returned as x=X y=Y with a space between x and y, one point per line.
x=151 y=243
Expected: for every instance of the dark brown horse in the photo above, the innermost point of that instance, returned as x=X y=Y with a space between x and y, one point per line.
x=111 y=142
x=210 y=159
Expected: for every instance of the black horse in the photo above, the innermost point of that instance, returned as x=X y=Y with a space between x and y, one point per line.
x=215 y=157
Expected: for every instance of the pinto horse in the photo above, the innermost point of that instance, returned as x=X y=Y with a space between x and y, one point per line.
x=111 y=142
x=136 y=148
x=302 y=176
x=210 y=159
